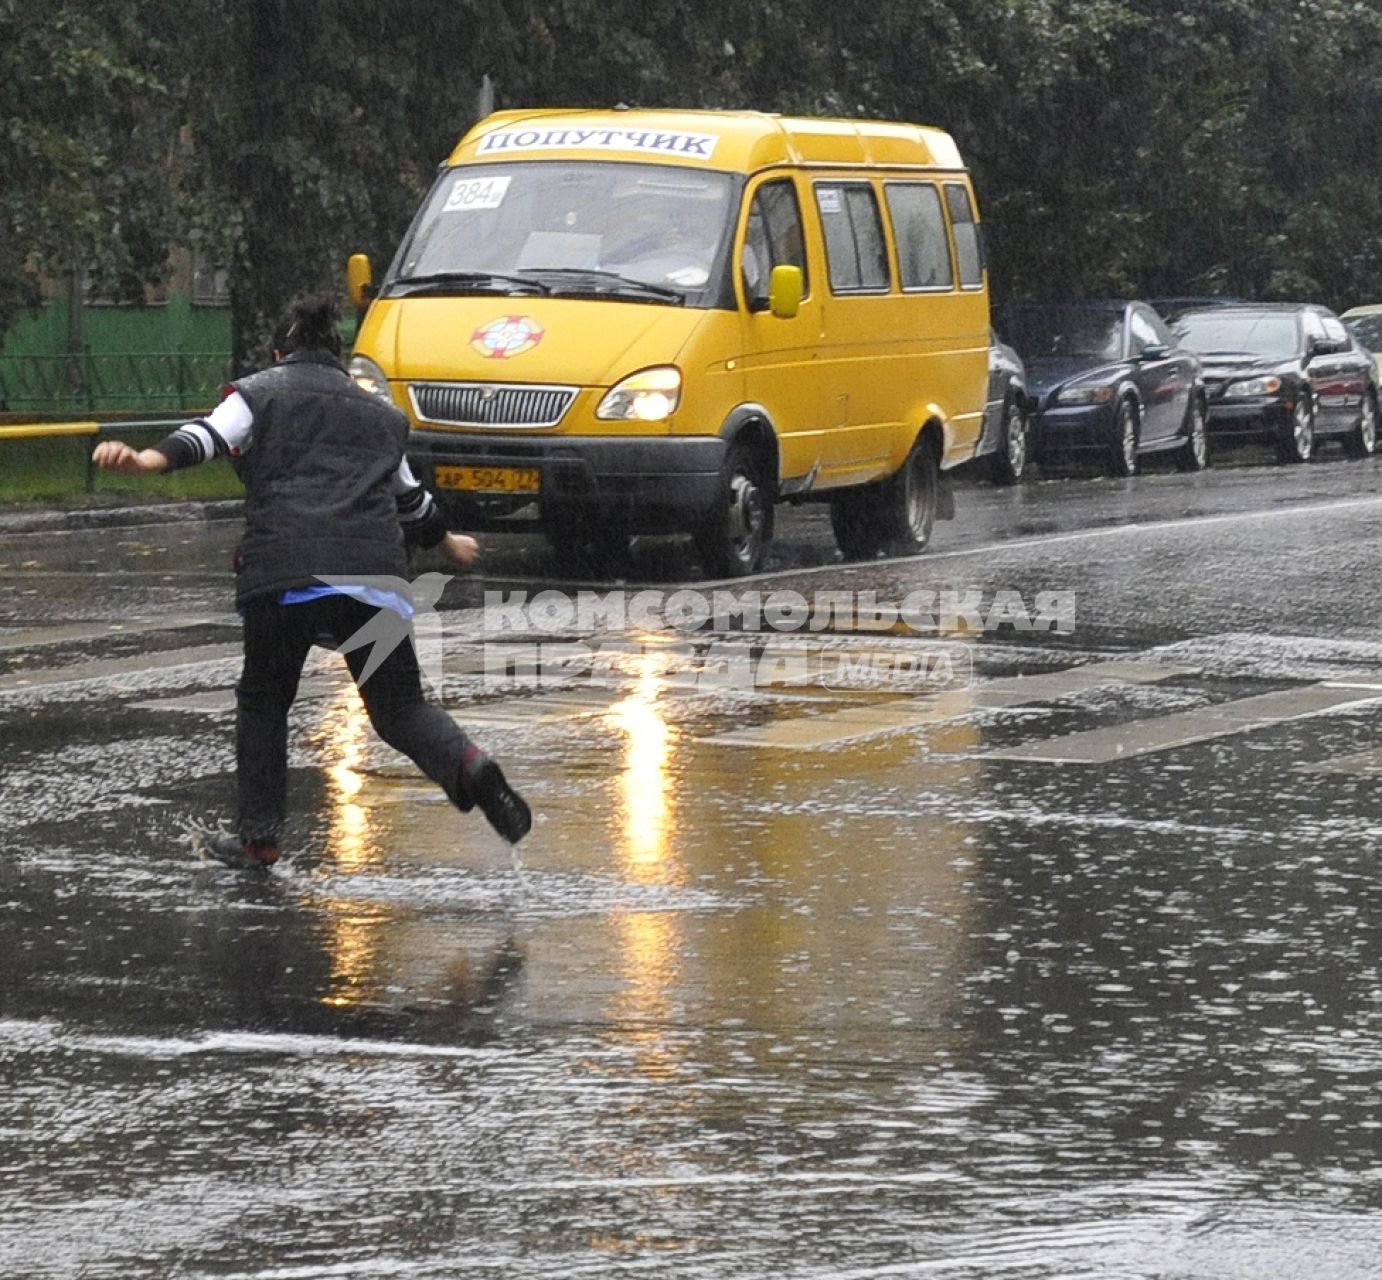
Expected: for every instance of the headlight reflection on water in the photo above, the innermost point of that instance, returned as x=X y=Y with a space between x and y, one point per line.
x=646 y=782
x=651 y=941
x=352 y=930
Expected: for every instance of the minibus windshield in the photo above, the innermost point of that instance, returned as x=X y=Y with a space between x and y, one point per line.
x=640 y=232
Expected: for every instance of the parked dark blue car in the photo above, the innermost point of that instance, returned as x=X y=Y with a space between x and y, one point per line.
x=1108 y=377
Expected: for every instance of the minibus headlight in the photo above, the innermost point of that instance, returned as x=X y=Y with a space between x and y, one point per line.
x=369 y=377
x=649 y=396
x=1254 y=387
x=1084 y=395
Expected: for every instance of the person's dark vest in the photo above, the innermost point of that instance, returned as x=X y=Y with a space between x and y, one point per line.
x=317 y=478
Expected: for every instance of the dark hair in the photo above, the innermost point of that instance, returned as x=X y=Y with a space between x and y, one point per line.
x=312 y=322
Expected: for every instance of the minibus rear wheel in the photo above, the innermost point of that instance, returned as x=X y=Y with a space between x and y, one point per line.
x=734 y=537
x=854 y=519
x=910 y=498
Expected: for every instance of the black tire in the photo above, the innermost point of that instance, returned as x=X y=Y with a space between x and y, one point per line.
x=910 y=498
x=1009 y=463
x=734 y=537
x=1193 y=455
x=1361 y=442
x=1296 y=442
x=1123 y=440
x=587 y=544
x=854 y=519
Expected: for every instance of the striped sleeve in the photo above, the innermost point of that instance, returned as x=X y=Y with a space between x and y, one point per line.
x=418 y=513
x=224 y=432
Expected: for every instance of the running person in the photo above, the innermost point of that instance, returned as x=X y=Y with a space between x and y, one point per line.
x=328 y=494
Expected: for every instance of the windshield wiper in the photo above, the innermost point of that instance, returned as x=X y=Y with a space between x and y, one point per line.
x=620 y=284
x=488 y=281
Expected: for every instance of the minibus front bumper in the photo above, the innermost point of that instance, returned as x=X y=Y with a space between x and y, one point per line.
x=653 y=483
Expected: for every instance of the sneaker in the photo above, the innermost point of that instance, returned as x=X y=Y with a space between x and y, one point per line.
x=234 y=852
x=483 y=783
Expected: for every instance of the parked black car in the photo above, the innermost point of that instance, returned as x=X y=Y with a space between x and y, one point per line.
x=1108 y=376
x=1288 y=373
x=1170 y=308
x=1003 y=441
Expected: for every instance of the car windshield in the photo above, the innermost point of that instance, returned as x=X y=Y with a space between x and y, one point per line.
x=1044 y=332
x=1258 y=333
x=1368 y=330
x=652 y=232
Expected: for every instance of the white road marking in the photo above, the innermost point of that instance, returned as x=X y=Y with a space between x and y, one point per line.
x=1053 y=539
x=136 y=664
x=78 y=632
x=1185 y=728
x=851 y=724
x=1357 y=762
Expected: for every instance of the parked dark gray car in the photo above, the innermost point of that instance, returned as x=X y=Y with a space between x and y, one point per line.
x=1003 y=441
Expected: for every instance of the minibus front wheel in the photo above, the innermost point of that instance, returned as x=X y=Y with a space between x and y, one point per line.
x=733 y=538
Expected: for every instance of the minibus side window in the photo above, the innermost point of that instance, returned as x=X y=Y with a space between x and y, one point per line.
x=967 y=247
x=773 y=237
x=855 y=251
x=923 y=250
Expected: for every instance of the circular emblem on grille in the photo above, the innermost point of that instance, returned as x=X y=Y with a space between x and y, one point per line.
x=506 y=337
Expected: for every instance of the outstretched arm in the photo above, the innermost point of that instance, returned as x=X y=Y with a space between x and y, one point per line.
x=225 y=430
x=423 y=523
x=115 y=455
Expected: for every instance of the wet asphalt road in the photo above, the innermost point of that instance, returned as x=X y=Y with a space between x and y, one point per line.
x=1076 y=972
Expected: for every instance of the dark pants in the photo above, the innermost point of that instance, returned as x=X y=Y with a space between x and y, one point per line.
x=277 y=639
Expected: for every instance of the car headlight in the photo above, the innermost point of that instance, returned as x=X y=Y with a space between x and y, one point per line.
x=1254 y=387
x=1084 y=395
x=369 y=377
x=651 y=395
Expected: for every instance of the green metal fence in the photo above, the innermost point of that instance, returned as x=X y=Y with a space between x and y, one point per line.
x=140 y=382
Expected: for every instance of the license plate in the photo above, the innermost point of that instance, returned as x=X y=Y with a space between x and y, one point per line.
x=490 y=479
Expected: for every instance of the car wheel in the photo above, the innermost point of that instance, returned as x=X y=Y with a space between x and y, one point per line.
x=1296 y=443
x=1193 y=455
x=733 y=539
x=1361 y=442
x=1123 y=445
x=1010 y=462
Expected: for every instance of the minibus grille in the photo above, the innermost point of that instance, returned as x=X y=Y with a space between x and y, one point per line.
x=491 y=404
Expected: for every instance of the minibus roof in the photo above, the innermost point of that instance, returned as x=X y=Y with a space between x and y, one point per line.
x=738 y=141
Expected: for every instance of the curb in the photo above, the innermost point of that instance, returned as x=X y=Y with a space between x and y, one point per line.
x=120 y=517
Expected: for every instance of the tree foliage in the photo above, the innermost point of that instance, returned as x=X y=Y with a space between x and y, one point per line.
x=87 y=137
x=1120 y=146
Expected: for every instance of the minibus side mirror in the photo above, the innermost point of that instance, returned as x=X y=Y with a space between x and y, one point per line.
x=785 y=290
x=360 y=280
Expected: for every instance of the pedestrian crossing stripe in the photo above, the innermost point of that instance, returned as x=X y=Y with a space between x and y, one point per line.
x=1185 y=728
